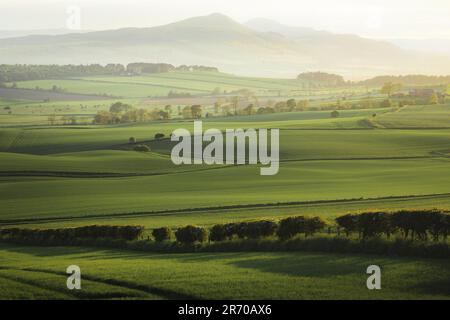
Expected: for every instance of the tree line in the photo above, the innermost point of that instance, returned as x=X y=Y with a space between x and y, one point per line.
x=66 y=235
x=422 y=224
x=407 y=80
x=329 y=79
x=143 y=67
x=24 y=72
x=416 y=224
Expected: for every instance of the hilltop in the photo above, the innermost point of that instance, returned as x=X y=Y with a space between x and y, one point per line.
x=259 y=47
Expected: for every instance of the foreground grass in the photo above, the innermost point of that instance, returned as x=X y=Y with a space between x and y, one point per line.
x=216 y=275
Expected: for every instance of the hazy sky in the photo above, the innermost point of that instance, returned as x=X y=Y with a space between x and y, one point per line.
x=370 y=18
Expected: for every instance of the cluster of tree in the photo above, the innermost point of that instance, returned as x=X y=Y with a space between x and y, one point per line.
x=289 y=105
x=328 y=79
x=243 y=230
x=416 y=223
x=191 y=234
x=65 y=235
x=285 y=229
x=196 y=68
x=162 y=234
x=121 y=113
x=144 y=67
x=292 y=226
x=23 y=72
x=407 y=80
x=192 y=112
x=175 y=94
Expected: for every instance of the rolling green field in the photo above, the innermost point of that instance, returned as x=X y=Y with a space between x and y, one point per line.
x=74 y=175
x=39 y=273
x=85 y=170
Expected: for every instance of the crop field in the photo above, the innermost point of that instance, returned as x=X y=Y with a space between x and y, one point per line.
x=381 y=158
x=157 y=85
x=33 y=273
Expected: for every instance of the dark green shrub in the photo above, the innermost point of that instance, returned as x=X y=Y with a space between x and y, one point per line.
x=312 y=225
x=420 y=223
x=191 y=234
x=231 y=229
x=373 y=224
x=162 y=234
x=66 y=235
x=291 y=226
x=218 y=233
x=402 y=220
x=258 y=229
x=159 y=136
x=348 y=222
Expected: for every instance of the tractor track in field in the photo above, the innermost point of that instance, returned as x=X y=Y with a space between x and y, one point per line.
x=72 y=294
x=6 y=222
x=145 y=289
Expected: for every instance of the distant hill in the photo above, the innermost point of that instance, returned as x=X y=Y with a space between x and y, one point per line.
x=260 y=47
x=408 y=80
x=424 y=45
x=23 y=33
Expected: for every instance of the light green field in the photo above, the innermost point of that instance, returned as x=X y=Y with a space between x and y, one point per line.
x=305 y=181
x=161 y=84
x=207 y=218
x=39 y=273
x=417 y=117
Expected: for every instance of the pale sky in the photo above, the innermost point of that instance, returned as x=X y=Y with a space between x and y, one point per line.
x=369 y=18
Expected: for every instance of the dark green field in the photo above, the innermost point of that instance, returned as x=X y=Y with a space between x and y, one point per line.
x=38 y=273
